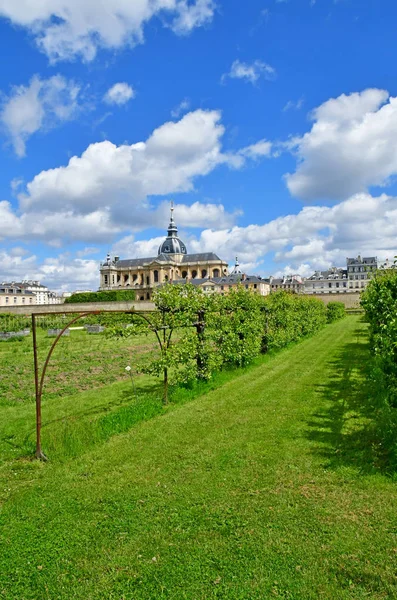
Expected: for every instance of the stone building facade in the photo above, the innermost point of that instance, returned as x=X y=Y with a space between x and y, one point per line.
x=172 y=263
x=289 y=283
x=332 y=281
x=13 y=295
x=223 y=285
x=359 y=271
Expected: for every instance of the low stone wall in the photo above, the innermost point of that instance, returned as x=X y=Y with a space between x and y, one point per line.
x=349 y=300
x=76 y=308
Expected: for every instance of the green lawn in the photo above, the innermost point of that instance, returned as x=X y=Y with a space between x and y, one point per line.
x=270 y=486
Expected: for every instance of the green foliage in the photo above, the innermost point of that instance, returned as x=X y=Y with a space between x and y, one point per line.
x=380 y=304
x=104 y=296
x=9 y=322
x=291 y=317
x=335 y=311
x=218 y=332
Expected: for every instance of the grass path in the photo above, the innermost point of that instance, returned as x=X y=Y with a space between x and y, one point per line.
x=268 y=487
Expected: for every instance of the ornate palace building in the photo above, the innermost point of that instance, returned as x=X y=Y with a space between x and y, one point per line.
x=171 y=264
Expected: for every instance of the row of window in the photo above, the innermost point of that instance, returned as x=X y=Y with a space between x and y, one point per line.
x=156 y=277
x=16 y=300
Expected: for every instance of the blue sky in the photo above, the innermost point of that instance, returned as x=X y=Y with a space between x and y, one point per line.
x=271 y=124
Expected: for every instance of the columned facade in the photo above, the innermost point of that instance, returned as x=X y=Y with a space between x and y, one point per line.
x=171 y=264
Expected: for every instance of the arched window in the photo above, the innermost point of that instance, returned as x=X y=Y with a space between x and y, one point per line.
x=156 y=276
x=215 y=273
x=194 y=274
x=134 y=277
x=203 y=273
x=184 y=274
x=165 y=277
x=147 y=280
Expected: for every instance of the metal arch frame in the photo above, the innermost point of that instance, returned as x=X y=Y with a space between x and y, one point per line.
x=39 y=379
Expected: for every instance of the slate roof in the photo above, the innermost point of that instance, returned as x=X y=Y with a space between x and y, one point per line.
x=366 y=260
x=166 y=258
x=330 y=274
x=227 y=280
x=205 y=256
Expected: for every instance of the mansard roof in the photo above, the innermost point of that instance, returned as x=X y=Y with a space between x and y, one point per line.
x=203 y=257
x=166 y=258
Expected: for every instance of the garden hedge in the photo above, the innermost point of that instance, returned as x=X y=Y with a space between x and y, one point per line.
x=104 y=296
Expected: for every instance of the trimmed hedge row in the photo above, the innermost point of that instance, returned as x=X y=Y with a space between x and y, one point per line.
x=218 y=331
x=335 y=311
x=104 y=296
x=380 y=304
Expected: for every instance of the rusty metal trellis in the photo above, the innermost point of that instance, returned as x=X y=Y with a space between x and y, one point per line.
x=39 y=379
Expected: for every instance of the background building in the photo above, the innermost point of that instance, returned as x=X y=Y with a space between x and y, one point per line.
x=223 y=285
x=333 y=281
x=360 y=270
x=41 y=292
x=13 y=295
x=291 y=283
x=171 y=263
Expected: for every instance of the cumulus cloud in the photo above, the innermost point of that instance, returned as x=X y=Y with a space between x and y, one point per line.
x=117 y=181
x=316 y=238
x=64 y=29
x=250 y=72
x=42 y=104
x=119 y=93
x=60 y=273
x=350 y=147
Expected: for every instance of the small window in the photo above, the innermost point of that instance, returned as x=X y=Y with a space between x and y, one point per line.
x=7 y=300
x=194 y=274
x=15 y=300
x=184 y=274
x=23 y=300
x=203 y=273
x=106 y=279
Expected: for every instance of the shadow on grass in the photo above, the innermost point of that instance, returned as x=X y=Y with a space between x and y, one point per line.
x=346 y=432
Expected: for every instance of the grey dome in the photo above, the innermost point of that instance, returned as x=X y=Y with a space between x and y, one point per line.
x=172 y=243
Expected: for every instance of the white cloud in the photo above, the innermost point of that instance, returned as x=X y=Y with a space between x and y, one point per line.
x=350 y=147
x=250 y=72
x=64 y=29
x=257 y=150
x=40 y=105
x=118 y=180
x=60 y=273
x=181 y=108
x=191 y=15
x=119 y=93
x=315 y=238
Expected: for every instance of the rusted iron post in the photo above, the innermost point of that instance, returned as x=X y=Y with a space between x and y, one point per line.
x=40 y=383
x=39 y=452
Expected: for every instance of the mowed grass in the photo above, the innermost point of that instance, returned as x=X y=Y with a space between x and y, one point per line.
x=271 y=486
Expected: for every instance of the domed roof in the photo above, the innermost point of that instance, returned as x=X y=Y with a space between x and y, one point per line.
x=172 y=243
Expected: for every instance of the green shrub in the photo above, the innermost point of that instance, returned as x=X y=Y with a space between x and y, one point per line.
x=335 y=311
x=104 y=296
x=290 y=317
